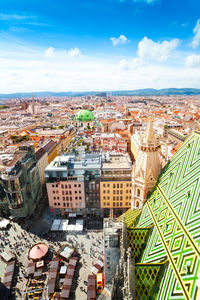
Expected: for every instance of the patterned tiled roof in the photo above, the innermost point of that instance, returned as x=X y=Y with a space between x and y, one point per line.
x=173 y=209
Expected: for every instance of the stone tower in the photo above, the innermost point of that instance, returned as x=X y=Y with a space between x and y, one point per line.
x=147 y=167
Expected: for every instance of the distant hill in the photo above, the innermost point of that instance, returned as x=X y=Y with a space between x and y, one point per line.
x=141 y=92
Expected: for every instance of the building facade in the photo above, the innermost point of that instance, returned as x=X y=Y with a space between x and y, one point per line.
x=73 y=184
x=115 y=183
x=21 y=181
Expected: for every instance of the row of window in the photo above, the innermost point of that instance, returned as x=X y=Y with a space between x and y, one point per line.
x=70 y=192
x=116 y=192
x=68 y=204
x=70 y=198
x=66 y=185
x=116 y=204
x=69 y=186
x=116 y=198
x=67 y=198
x=117 y=185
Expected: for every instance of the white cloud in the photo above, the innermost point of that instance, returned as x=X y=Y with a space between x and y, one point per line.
x=24 y=69
x=74 y=52
x=125 y=64
x=193 y=61
x=196 y=39
x=15 y=17
x=122 y=39
x=150 y=50
x=50 y=52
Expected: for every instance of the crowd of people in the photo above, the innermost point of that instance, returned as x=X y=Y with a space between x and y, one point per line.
x=18 y=238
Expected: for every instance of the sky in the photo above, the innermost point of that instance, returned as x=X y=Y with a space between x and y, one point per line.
x=87 y=45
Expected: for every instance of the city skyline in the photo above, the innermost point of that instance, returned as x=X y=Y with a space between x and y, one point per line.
x=99 y=45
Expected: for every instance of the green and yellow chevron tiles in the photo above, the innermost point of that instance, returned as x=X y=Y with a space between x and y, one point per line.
x=173 y=209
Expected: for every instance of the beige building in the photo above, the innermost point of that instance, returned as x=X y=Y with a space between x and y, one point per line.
x=147 y=167
x=115 y=183
x=42 y=162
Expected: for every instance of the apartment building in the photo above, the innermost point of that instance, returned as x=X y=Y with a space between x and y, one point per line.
x=19 y=176
x=115 y=183
x=73 y=184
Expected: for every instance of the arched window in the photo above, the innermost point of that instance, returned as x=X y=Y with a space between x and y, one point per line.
x=138 y=192
x=137 y=203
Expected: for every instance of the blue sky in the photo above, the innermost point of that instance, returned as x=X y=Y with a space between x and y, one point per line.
x=78 y=45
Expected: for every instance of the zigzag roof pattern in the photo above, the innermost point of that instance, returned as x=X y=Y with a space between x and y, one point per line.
x=173 y=209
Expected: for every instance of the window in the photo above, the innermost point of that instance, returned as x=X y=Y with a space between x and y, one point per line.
x=79 y=192
x=104 y=185
x=64 y=204
x=66 y=193
x=108 y=191
x=70 y=192
x=67 y=204
x=113 y=186
x=108 y=204
x=70 y=198
x=114 y=192
x=104 y=203
x=118 y=185
x=66 y=186
x=75 y=185
x=127 y=185
x=63 y=192
x=63 y=198
x=62 y=186
x=56 y=185
x=58 y=204
x=126 y=203
x=138 y=193
x=69 y=186
x=53 y=192
x=121 y=192
x=54 y=198
x=120 y=197
x=121 y=185
x=55 y=204
x=76 y=198
x=75 y=192
x=126 y=197
x=120 y=203
x=117 y=203
x=80 y=198
x=79 y=185
x=117 y=198
x=58 y=198
x=104 y=198
x=104 y=191
x=113 y=203
x=113 y=198
x=108 y=198
x=108 y=185
x=137 y=203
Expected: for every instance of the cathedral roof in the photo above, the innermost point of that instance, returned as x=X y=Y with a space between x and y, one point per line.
x=173 y=213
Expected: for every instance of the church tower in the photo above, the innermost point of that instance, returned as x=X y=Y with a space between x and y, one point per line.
x=146 y=168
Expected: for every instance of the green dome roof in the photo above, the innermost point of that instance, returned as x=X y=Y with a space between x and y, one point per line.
x=84 y=115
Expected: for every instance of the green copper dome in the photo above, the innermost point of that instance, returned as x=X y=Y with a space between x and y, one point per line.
x=84 y=115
